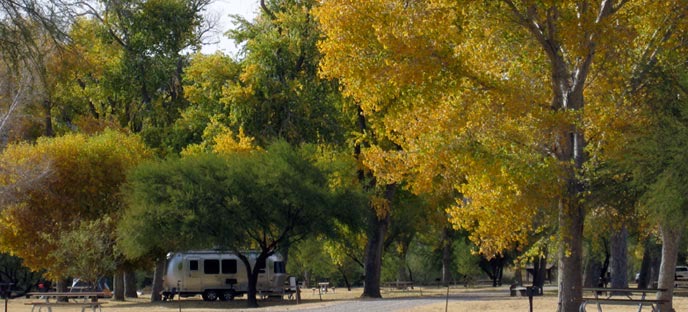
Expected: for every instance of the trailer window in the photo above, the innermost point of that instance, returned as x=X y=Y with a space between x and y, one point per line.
x=229 y=266
x=279 y=267
x=211 y=267
x=193 y=265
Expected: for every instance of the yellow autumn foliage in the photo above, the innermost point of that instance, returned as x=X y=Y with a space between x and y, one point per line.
x=220 y=139
x=465 y=92
x=50 y=186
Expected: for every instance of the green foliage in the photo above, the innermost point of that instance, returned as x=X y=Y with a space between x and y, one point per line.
x=237 y=201
x=425 y=262
x=308 y=259
x=12 y=270
x=87 y=250
x=465 y=259
x=204 y=79
x=656 y=156
x=279 y=94
x=124 y=65
x=169 y=204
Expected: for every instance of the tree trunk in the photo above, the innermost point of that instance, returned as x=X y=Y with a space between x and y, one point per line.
x=655 y=266
x=592 y=272
x=446 y=256
x=157 y=280
x=346 y=279
x=61 y=287
x=251 y=300
x=47 y=105
x=667 y=270
x=603 y=278
x=619 y=259
x=539 y=271
x=518 y=274
x=118 y=282
x=494 y=269
x=130 y=284
x=306 y=278
x=403 y=272
x=567 y=90
x=377 y=229
x=410 y=272
x=649 y=268
x=571 y=155
x=570 y=251
x=644 y=274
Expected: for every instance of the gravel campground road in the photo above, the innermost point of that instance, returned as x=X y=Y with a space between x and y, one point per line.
x=408 y=304
x=486 y=299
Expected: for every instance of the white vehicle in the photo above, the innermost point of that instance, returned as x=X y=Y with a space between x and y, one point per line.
x=219 y=275
x=681 y=272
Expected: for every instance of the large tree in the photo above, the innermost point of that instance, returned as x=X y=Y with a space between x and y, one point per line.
x=279 y=93
x=132 y=55
x=256 y=200
x=499 y=89
x=79 y=188
x=654 y=157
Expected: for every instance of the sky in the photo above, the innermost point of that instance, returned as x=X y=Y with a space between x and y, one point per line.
x=221 y=9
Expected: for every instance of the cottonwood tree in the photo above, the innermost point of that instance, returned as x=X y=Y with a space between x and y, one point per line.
x=204 y=80
x=654 y=159
x=499 y=89
x=133 y=54
x=279 y=94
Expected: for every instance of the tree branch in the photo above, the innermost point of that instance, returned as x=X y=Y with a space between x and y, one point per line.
x=266 y=10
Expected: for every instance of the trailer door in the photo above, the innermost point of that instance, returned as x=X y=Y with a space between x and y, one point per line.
x=193 y=280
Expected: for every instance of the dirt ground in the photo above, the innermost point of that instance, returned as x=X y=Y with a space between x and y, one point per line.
x=423 y=299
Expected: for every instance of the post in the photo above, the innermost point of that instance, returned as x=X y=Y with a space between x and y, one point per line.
x=180 y=296
x=530 y=291
x=446 y=304
x=530 y=301
x=298 y=293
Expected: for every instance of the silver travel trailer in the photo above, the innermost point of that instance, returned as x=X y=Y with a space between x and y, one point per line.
x=219 y=275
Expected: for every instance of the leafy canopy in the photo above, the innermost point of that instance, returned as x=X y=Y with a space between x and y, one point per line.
x=80 y=184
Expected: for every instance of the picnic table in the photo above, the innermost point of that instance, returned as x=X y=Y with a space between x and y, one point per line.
x=403 y=285
x=85 y=300
x=324 y=286
x=622 y=296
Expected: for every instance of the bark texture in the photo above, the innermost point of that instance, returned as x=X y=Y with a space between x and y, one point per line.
x=667 y=270
x=377 y=229
x=157 y=280
x=130 y=284
x=118 y=284
x=619 y=259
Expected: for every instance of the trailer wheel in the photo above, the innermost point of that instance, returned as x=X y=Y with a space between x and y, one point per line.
x=210 y=295
x=227 y=295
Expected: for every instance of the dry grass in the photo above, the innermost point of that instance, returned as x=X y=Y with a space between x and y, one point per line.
x=485 y=299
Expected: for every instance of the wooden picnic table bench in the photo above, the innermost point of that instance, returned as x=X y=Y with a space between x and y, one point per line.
x=38 y=306
x=403 y=285
x=624 y=296
x=90 y=300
